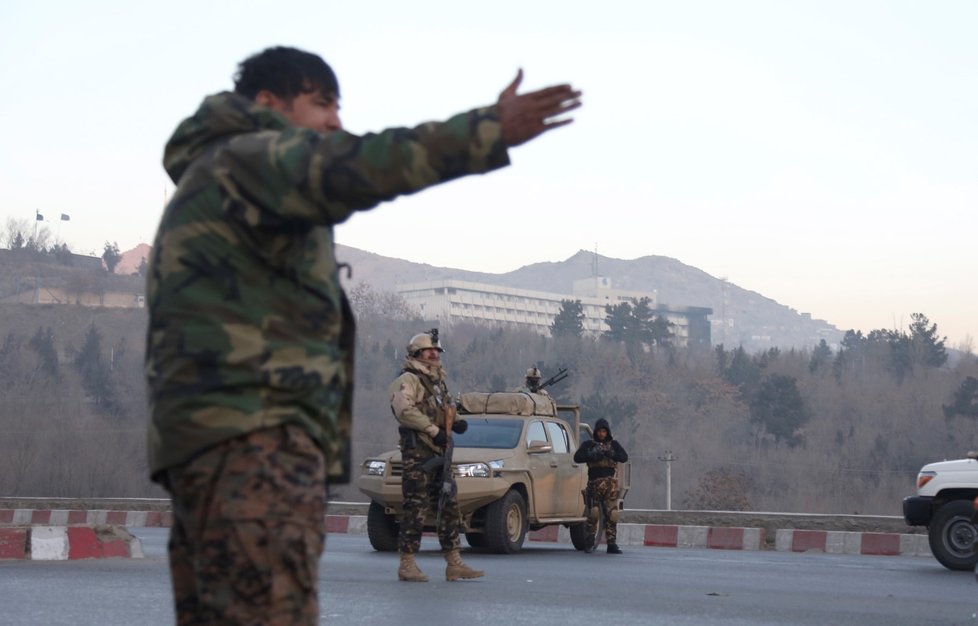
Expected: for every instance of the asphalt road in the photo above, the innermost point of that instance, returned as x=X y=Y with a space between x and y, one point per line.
x=545 y=584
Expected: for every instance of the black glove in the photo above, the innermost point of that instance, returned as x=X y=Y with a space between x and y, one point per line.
x=441 y=438
x=460 y=426
x=595 y=454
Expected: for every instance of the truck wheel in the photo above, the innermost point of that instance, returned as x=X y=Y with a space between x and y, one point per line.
x=382 y=529
x=578 y=533
x=506 y=524
x=476 y=540
x=952 y=536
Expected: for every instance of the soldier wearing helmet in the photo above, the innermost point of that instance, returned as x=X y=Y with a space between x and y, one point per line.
x=420 y=403
x=532 y=384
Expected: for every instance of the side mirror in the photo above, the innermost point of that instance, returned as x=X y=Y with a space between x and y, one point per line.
x=539 y=447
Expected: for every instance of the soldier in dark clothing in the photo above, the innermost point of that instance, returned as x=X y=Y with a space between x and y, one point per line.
x=602 y=455
x=249 y=351
x=420 y=403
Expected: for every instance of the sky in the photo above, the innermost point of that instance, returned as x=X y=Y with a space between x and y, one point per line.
x=821 y=153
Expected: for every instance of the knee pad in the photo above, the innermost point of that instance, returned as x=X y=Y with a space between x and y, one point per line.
x=614 y=515
x=593 y=514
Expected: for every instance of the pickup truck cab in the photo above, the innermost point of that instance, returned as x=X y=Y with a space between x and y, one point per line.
x=514 y=469
x=944 y=503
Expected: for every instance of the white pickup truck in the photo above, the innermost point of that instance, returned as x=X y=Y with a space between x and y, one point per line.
x=945 y=503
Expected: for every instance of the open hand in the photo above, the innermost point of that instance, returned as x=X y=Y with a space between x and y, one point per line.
x=529 y=115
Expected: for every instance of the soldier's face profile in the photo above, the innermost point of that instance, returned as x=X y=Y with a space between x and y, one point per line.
x=315 y=111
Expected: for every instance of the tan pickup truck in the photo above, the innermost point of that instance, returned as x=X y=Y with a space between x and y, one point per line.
x=514 y=468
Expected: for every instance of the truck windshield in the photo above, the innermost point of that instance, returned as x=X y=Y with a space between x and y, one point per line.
x=490 y=433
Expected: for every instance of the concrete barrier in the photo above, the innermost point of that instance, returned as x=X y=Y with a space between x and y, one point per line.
x=639 y=528
x=62 y=543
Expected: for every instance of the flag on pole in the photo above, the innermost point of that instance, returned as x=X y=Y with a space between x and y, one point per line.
x=40 y=217
x=65 y=217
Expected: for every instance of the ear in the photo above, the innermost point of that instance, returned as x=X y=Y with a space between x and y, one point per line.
x=267 y=99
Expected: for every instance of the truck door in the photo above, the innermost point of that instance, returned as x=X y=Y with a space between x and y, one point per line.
x=543 y=472
x=570 y=479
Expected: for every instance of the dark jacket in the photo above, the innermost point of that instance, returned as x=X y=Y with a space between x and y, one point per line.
x=601 y=456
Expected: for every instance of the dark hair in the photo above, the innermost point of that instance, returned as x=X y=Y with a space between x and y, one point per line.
x=286 y=72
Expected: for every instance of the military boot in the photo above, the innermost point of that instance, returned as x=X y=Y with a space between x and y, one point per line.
x=457 y=569
x=408 y=571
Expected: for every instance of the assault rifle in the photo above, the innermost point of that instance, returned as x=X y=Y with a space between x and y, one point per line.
x=556 y=378
x=448 y=487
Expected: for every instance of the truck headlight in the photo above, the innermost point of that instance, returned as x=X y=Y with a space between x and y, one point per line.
x=375 y=468
x=925 y=477
x=500 y=464
x=472 y=470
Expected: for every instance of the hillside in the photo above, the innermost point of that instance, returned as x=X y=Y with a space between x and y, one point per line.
x=752 y=320
x=740 y=317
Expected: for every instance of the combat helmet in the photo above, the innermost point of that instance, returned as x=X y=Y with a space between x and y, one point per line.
x=533 y=372
x=423 y=341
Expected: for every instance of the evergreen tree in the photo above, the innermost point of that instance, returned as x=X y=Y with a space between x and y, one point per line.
x=780 y=409
x=852 y=353
x=820 y=356
x=620 y=321
x=641 y=323
x=925 y=348
x=95 y=373
x=661 y=331
x=965 y=401
x=569 y=321
x=111 y=256
x=43 y=344
x=742 y=372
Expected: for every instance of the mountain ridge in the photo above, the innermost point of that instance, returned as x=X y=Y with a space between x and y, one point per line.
x=740 y=316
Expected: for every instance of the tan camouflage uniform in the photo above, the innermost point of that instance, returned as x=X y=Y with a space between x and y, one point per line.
x=250 y=335
x=416 y=408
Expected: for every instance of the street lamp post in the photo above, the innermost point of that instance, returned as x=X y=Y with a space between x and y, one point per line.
x=668 y=459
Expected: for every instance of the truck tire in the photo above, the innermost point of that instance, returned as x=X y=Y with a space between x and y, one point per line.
x=952 y=535
x=382 y=529
x=578 y=533
x=506 y=524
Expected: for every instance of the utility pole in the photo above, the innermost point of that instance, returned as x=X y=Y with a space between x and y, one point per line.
x=668 y=458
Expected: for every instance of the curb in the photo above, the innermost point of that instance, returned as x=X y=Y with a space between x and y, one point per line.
x=13 y=540
x=841 y=542
x=716 y=538
x=68 y=543
x=79 y=517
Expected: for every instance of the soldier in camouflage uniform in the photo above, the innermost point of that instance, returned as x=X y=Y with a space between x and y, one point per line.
x=249 y=348
x=602 y=455
x=419 y=399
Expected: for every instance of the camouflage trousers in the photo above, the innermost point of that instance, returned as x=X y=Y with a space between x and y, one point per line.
x=248 y=530
x=421 y=493
x=604 y=490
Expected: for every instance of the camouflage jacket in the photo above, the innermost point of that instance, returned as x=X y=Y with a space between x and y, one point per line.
x=248 y=325
x=413 y=405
